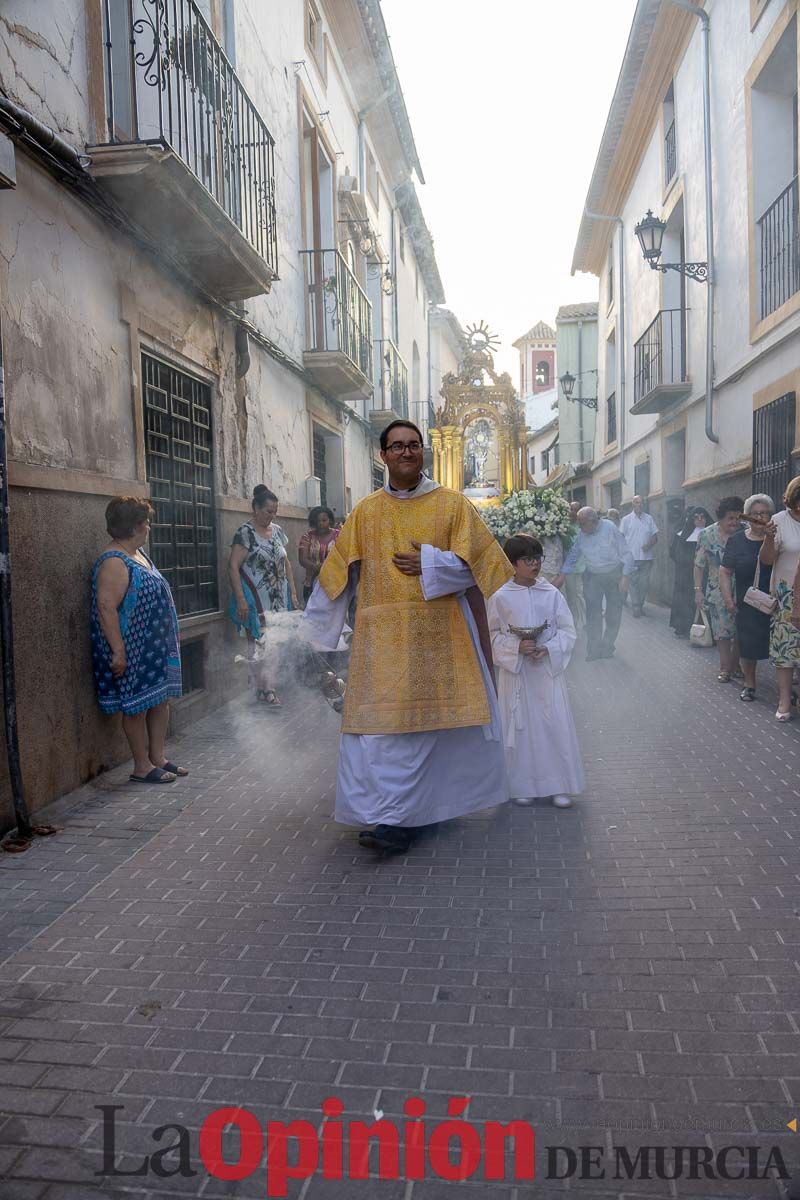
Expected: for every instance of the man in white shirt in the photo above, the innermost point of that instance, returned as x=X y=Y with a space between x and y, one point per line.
x=641 y=533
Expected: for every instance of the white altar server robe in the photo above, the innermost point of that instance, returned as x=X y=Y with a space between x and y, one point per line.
x=541 y=743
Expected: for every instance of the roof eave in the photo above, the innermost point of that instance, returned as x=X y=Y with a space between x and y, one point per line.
x=644 y=19
x=375 y=26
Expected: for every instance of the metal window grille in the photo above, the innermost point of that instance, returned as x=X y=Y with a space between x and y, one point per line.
x=377 y=476
x=319 y=464
x=178 y=446
x=779 y=241
x=641 y=480
x=611 y=419
x=773 y=441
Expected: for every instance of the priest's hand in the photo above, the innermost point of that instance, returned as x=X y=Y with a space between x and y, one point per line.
x=409 y=563
x=529 y=649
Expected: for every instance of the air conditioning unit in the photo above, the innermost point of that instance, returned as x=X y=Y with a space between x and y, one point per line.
x=313 y=491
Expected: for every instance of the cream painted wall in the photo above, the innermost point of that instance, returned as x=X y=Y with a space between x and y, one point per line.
x=741 y=368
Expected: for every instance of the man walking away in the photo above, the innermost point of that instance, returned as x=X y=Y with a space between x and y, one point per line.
x=641 y=534
x=609 y=565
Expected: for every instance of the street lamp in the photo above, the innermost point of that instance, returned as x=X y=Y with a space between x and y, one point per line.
x=567 y=382
x=650 y=232
x=387 y=282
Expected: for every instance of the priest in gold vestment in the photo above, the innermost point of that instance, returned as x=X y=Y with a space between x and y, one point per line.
x=421 y=735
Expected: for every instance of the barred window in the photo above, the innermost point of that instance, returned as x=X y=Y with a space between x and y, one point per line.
x=177 y=422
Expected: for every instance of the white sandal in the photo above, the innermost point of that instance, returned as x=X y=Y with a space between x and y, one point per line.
x=783 y=716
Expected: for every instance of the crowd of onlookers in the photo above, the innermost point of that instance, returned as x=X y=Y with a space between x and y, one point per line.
x=736 y=585
x=736 y=582
x=740 y=576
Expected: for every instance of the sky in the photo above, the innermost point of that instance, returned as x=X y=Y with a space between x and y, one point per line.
x=508 y=100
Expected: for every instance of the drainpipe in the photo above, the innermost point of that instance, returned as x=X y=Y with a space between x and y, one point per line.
x=702 y=15
x=24 y=828
x=580 y=390
x=593 y=216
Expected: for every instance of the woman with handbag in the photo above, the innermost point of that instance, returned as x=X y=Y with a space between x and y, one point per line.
x=781 y=551
x=682 y=552
x=707 y=561
x=751 y=609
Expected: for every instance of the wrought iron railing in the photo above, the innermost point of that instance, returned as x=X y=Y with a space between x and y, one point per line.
x=393 y=378
x=778 y=234
x=660 y=353
x=670 y=154
x=168 y=82
x=611 y=419
x=339 y=313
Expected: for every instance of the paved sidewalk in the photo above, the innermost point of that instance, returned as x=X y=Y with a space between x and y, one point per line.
x=621 y=974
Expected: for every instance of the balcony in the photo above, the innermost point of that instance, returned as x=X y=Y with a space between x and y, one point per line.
x=660 y=363
x=391 y=392
x=779 y=250
x=339 y=323
x=188 y=158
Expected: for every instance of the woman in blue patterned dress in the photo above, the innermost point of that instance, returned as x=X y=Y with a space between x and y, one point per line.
x=707 y=561
x=135 y=642
x=262 y=582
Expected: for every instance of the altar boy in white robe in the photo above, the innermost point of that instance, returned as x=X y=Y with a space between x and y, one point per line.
x=541 y=743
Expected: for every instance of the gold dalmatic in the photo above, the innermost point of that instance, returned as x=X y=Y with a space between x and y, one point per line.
x=413 y=666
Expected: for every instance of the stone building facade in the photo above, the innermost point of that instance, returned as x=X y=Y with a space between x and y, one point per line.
x=706 y=402
x=214 y=272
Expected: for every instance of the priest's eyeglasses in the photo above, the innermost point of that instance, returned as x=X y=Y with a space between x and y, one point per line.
x=399 y=447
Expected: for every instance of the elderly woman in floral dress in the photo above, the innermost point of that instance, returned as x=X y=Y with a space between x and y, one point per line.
x=711 y=545
x=781 y=551
x=262 y=583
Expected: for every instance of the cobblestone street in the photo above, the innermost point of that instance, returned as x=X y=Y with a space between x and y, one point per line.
x=624 y=973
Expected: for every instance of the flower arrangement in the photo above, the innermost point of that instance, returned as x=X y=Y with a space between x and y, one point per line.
x=544 y=513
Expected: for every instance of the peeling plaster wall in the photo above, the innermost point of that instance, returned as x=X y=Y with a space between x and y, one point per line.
x=78 y=300
x=44 y=63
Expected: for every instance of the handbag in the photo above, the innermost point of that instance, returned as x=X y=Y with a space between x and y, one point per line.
x=700 y=634
x=763 y=602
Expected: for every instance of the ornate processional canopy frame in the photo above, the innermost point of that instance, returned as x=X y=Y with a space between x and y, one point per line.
x=476 y=393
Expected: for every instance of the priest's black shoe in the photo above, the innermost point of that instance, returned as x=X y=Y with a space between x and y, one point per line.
x=389 y=838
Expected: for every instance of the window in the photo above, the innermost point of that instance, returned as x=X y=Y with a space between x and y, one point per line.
x=543 y=374
x=372 y=179
x=319 y=463
x=773 y=441
x=670 y=146
x=774 y=163
x=193 y=677
x=178 y=445
x=641 y=480
x=377 y=476
x=614 y=494
x=611 y=390
x=314 y=36
x=402 y=244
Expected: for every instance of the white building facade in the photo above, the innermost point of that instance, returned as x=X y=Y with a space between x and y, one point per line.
x=700 y=409
x=214 y=273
